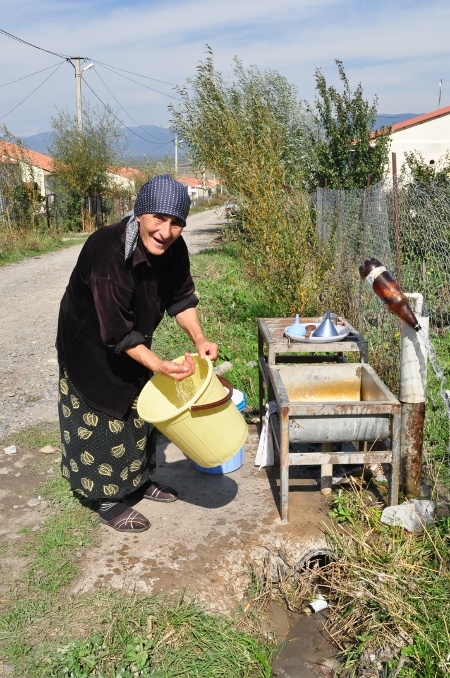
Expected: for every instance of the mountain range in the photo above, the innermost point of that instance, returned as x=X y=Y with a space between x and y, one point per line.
x=148 y=141
x=156 y=142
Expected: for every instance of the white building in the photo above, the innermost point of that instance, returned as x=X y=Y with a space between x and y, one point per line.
x=429 y=134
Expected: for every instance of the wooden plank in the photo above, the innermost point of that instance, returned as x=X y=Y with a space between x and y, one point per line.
x=321 y=459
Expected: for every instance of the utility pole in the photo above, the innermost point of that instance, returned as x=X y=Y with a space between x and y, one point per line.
x=175 y=141
x=78 y=75
x=78 y=86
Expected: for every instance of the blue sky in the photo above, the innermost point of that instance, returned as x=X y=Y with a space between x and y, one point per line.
x=398 y=50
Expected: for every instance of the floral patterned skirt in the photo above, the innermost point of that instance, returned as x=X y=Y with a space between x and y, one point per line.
x=103 y=457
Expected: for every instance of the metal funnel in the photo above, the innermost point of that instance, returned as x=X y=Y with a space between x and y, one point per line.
x=326 y=328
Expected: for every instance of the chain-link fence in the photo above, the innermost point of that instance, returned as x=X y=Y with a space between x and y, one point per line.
x=407 y=227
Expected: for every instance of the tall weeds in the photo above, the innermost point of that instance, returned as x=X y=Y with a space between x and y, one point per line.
x=249 y=132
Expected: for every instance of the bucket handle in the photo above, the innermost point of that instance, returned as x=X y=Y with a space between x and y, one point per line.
x=209 y=406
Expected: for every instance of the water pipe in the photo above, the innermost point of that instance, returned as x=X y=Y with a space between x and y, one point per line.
x=413 y=384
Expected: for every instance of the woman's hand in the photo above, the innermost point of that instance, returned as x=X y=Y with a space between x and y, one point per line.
x=207 y=348
x=177 y=371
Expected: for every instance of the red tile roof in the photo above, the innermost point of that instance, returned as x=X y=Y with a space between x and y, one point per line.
x=421 y=118
x=126 y=172
x=13 y=151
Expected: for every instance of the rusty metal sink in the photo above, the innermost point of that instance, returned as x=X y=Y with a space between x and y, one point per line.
x=336 y=402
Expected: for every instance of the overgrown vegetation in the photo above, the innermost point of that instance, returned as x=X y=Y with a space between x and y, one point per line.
x=249 y=132
x=390 y=594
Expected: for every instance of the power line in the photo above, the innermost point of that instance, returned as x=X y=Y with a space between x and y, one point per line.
x=138 y=74
x=35 y=90
x=35 y=73
x=24 y=42
x=116 y=99
x=137 y=82
x=164 y=143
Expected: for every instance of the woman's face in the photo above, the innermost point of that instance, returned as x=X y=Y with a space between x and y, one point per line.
x=158 y=231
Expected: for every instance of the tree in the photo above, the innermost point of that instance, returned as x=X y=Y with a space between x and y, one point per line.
x=344 y=149
x=245 y=131
x=83 y=160
x=426 y=174
x=20 y=198
x=250 y=133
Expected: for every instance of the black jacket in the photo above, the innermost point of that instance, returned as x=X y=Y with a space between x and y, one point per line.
x=110 y=305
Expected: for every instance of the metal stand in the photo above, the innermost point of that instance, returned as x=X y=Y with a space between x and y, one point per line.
x=373 y=414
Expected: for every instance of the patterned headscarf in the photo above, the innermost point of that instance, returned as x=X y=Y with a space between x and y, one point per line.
x=160 y=195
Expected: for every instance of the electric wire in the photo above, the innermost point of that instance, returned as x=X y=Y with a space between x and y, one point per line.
x=171 y=96
x=35 y=73
x=30 y=44
x=164 y=143
x=35 y=90
x=125 y=111
x=138 y=74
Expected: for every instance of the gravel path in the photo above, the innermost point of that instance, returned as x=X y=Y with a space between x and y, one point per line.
x=30 y=293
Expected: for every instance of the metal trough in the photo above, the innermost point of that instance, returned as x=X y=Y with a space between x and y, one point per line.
x=339 y=402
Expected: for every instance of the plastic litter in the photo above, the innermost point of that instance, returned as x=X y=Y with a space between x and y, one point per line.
x=317 y=605
x=414 y=515
x=264 y=453
x=10 y=450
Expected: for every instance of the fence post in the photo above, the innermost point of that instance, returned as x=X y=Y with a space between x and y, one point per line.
x=47 y=211
x=396 y=219
x=366 y=215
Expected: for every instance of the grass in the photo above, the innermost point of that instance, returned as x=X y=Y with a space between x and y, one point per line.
x=15 y=246
x=389 y=593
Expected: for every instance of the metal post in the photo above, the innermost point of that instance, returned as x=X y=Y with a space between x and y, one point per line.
x=326 y=470
x=284 y=463
x=78 y=88
x=396 y=219
x=413 y=384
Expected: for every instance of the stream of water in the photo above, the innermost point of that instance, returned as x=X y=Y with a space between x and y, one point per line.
x=439 y=372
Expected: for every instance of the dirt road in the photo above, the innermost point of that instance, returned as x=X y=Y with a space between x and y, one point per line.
x=30 y=293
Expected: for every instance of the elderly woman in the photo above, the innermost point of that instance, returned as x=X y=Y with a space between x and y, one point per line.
x=127 y=276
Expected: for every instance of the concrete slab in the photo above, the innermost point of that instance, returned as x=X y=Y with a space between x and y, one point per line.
x=205 y=542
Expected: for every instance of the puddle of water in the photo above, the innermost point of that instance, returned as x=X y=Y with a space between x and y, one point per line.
x=304 y=651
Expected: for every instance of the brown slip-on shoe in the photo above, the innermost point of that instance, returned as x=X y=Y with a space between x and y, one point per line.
x=157 y=492
x=128 y=521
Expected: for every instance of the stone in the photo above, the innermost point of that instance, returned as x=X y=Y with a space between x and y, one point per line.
x=414 y=515
x=19 y=464
x=48 y=449
x=3 y=471
x=34 y=501
x=223 y=368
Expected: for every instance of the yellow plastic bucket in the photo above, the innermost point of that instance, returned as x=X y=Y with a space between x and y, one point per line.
x=197 y=414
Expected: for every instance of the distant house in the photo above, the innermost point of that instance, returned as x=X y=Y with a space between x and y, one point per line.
x=39 y=168
x=36 y=167
x=196 y=188
x=428 y=133
x=124 y=178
